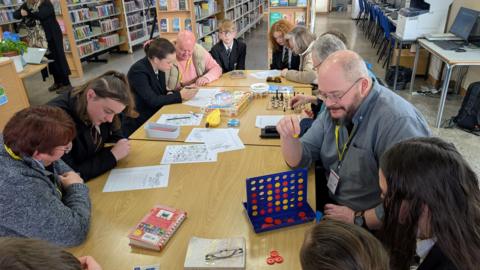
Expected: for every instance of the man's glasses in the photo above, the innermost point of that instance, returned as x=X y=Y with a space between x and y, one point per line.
x=223 y=254
x=226 y=33
x=336 y=97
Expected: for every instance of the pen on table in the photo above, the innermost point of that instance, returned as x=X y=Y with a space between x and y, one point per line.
x=178 y=118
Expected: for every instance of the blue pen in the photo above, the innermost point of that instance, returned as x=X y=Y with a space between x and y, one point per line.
x=318 y=216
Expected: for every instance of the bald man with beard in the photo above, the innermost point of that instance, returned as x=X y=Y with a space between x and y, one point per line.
x=363 y=120
x=194 y=66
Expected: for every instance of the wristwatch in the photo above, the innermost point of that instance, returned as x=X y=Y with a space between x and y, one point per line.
x=359 y=219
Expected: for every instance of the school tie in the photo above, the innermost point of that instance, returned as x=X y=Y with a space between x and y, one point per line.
x=229 y=50
x=285 y=56
x=96 y=137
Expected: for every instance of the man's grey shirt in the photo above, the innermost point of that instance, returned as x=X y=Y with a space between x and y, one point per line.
x=382 y=119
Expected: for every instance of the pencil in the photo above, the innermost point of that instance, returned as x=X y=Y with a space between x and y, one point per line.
x=178 y=118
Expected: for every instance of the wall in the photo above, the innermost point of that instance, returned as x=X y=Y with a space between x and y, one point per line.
x=473 y=72
x=321 y=6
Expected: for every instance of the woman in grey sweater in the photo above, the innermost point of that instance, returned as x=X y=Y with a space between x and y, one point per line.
x=40 y=196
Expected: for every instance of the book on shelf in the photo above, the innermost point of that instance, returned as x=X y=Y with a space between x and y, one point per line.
x=210 y=254
x=182 y=4
x=163 y=25
x=174 y=4
x=163 y=5
x=188 y=24
x=275 y=17
x=176 y=24
x=157 y=227
x=301 y=3
x=283 y=3
x=274 y=3
x=288 y=16
x=300 y=17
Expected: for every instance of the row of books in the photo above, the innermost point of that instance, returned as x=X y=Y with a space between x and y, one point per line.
x=98 y=44
x=238 y=11
x=203 y=9
x=108 y=24
x=10 y=2
x=210 y=40
x=72 y=2
x=134 y=19
x=176 y=27
x=137 y=34
x=82 y=14
x=297 y=17
x=173 y=5
x=82 y=32
x=207 y=26
x=132 y=6
x=6 y=15
x=288 y=3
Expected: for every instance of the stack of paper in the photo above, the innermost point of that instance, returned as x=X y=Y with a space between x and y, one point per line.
x=190 y=153
x=262 y=75
x=203 y=97
x=137 y=178
x=217 y=140
x=267 y=120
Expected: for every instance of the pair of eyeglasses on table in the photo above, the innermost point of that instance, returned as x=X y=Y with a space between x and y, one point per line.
x=223 y=254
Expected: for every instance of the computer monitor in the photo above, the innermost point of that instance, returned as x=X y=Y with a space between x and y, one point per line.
x=475 y=33
x=464 y=22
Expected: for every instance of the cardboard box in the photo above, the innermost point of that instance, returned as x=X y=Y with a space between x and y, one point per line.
x=407 y=58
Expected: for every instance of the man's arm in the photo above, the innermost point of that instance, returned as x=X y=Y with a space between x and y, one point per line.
x=214 y=71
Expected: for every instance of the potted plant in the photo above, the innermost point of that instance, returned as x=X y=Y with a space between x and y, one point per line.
x=13 y=47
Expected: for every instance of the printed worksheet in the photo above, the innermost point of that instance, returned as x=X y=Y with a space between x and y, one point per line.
x=137 y=178
x=267 y=120
x=203 y=97
x=197 y=134
x=188 y=153
x=222 y=140
x=186 y=119
x=262 y=75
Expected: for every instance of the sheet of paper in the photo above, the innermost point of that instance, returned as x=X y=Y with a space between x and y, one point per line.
x=197 y=134
x=186 y=119
x=137 y=178
x=203 y=97
x=188 y=153
x=222 y=141
x=267 y=120
x=262 y=75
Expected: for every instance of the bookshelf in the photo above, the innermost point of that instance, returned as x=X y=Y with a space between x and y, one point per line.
x=296 y=11
x=173 y=16
x=90 y=29
x=139 y=15
x=244 y=13
x=7 y=7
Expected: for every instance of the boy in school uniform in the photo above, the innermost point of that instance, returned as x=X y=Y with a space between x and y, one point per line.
x=229 y=52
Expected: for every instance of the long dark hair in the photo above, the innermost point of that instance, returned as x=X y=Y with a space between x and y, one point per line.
x=111 y=84
x=430 y=173
x=159 y=48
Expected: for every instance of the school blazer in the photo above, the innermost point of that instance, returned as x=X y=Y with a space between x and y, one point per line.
x=236 y=59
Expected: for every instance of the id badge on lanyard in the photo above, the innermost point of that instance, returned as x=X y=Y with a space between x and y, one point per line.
x=334 y=178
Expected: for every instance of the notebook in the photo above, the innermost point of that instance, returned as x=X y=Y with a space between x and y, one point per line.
x=213 y=254
x=157 y=227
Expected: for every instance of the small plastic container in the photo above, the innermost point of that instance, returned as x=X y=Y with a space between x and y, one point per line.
x=162 y=131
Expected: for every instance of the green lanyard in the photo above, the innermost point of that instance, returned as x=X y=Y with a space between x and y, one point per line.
x=346 y=145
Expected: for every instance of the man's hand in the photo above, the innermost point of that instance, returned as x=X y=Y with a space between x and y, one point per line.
x=338 y=212
x=188 y=93
x=121 y=149
x=299 y=100
x=289 y=127
x=70 y=178
x=89 y=263
x=202 y=81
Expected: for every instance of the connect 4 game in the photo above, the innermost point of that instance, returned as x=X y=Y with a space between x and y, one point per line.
x=278 y=200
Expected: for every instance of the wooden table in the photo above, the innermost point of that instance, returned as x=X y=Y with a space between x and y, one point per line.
x=212 y=195
x=248 y=133
x=226 y=81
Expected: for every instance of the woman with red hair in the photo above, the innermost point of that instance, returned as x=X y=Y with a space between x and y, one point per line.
x=282 y=55
x=40 y=196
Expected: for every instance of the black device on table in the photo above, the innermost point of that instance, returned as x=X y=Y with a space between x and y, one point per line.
x=461 y=28
x=269 y=132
